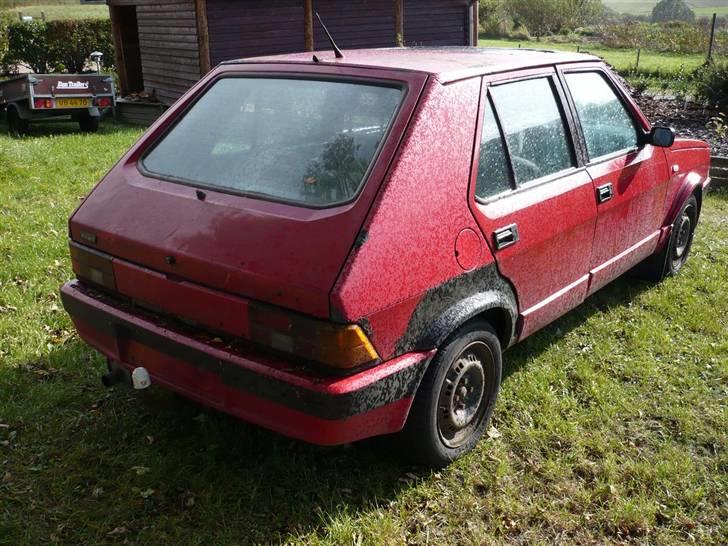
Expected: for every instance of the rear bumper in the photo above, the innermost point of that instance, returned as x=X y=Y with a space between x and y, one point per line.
x=276 y=395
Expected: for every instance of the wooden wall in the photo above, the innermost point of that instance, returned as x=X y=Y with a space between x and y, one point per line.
x=169 y=46
x=436 y=22
x=355 y=23
x=254 y=27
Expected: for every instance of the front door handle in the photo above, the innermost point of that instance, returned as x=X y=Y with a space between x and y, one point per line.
x=605 y=193
x=506 y=236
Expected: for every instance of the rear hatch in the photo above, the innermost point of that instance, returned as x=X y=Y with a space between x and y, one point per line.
x=256 y=183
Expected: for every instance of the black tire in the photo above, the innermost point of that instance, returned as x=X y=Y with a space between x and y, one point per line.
x=456 y=398
x=88 y=123
x=670 y=260
x=17 y=126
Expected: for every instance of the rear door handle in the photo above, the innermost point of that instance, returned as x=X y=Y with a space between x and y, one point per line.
x=506 y=236
x=605 y=193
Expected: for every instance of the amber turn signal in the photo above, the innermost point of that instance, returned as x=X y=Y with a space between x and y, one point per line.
x=342 y=346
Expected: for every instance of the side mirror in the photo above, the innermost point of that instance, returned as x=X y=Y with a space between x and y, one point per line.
x=664 y=137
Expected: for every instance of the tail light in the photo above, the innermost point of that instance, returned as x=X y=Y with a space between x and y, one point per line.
x=42 y=103
x=342 y=346
x=103 y=102
x=92 y=266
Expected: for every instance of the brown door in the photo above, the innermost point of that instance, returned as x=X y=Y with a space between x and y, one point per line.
x=127 y=57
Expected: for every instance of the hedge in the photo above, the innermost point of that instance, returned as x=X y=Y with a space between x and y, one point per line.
x=57 y=46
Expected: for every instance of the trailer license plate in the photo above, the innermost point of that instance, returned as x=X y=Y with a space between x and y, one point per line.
x=73 y=103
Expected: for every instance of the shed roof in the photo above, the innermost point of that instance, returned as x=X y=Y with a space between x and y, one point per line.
x=445 y=63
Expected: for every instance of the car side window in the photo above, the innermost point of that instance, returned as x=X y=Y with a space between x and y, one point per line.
x=535 y=128
x=493 y=174
x=607 y=126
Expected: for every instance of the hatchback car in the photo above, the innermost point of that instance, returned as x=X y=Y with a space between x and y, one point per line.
x=342 y=248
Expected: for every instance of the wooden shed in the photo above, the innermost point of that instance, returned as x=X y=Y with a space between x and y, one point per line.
x=164 y=46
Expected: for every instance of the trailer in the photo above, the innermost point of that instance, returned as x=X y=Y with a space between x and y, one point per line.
x=77 y=97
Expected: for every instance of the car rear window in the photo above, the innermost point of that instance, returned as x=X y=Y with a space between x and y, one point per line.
x=299 y=140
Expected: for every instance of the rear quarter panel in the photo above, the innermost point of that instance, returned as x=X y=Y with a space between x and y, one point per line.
x=410 y=234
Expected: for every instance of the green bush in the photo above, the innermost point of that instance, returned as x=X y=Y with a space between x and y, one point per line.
x=5 y=20
x=58 y=45
x=712 y=84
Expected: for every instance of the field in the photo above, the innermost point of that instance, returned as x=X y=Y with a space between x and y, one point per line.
x=56 y=10
x=611 y=425
x=622 y=59
x=702 y=8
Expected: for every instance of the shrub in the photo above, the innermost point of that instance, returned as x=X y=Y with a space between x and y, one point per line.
x=58 y=45
x=712 y=84
x=5 y=20
x=72 y=41
x=27 y=44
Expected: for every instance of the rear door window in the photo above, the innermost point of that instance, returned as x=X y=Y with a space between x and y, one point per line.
x=535 y=129
x=299 y=140
x=605 y=122
x=494 y=177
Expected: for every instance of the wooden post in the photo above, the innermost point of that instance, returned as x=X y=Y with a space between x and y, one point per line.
x=476 y=22
x=203 y=36
x=712 y=38
x=637 y=64
x=399 y=22
x=308 y=25
x=20 y=15
x=42 y=16
x=119 y=60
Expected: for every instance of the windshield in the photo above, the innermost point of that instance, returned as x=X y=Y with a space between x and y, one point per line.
x=307 y=141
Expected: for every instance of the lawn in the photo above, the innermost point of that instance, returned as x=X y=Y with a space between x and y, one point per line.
x=702 y=8
x=622 y=59
x=611 y=425
x=59 y=10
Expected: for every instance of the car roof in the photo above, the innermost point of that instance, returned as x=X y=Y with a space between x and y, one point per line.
x=445 y=63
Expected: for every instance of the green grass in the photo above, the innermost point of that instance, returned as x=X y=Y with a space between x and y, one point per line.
x=60 y=10
x=668 y=73
x=622 y=59
x=702 y=8
x=612 y=422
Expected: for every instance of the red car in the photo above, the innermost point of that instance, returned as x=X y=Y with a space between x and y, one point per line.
x=341 y=248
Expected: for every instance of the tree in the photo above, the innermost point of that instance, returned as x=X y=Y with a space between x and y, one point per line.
x=549 y=16
x=672 y=10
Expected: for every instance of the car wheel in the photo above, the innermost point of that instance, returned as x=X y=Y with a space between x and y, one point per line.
x=16 y=125
x=88 y=123
x=671 y=259
x=456 y=397
x=681 y=238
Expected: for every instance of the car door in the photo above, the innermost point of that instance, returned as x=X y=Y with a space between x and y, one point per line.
x=630 y=178
x=531 y=197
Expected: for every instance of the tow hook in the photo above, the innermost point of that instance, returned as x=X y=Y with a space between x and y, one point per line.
x=116 y=375
x=140 y=378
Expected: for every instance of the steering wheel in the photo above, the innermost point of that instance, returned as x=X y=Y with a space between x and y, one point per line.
x=524 y=163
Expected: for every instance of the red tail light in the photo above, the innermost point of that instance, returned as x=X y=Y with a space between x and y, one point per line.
x=343 y=346
x=92 y=266
x=103 y=102
x=42 y=103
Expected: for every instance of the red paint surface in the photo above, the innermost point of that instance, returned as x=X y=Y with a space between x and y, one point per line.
x=218 y=242
x=468 y=249
x=207 y=387
x=420 y=210
x=639 y=181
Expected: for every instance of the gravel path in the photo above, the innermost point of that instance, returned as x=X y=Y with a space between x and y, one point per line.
x=688 y=119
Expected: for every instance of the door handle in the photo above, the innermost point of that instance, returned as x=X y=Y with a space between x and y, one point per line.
x=605 y=193
x=506 y=236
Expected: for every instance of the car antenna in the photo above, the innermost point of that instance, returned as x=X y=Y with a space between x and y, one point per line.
x=337 y=52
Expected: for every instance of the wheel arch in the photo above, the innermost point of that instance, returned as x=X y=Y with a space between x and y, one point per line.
x=479 y=294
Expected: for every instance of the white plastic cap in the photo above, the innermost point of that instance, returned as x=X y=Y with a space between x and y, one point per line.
x=140 y=378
